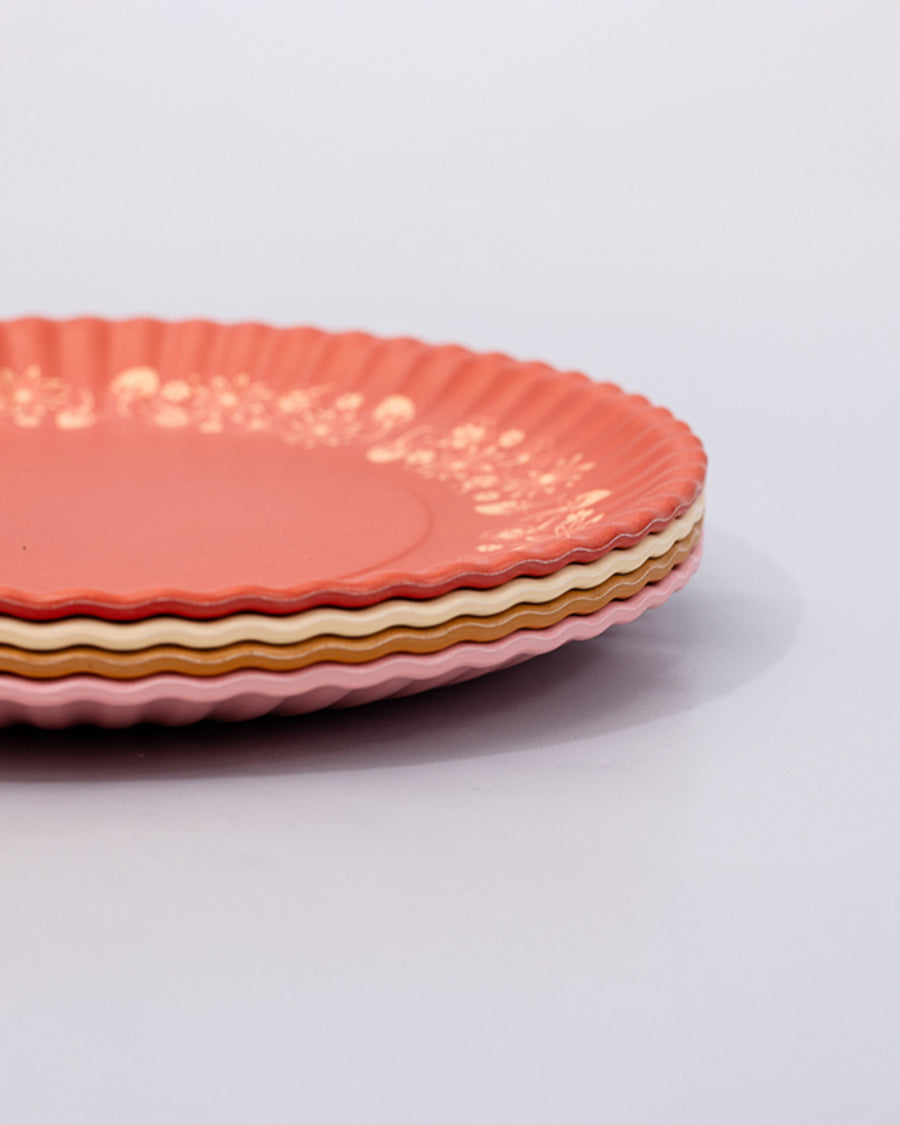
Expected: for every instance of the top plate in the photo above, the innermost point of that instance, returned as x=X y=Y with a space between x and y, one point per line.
x=201 y=470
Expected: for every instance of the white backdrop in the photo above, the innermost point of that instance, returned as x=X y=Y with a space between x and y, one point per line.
x=651 y=878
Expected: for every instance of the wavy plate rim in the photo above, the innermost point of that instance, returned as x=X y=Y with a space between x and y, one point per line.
x=182 y=700
x=46 y=636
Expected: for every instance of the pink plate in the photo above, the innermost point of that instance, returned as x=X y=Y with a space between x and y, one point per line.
x=202 y=470
x=176 y=700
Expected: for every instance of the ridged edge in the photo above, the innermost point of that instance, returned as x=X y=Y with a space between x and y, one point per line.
x=86 y=660
x=47 y=636
x=180 y=700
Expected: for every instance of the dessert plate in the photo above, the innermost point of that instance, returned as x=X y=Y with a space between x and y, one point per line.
x=174 y=700
x=205 y=470
x=342 y=650
x=293 y=629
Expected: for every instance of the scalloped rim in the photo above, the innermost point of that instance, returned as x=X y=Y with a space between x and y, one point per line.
x=48 y=636
x=180 y=700
x=677 y=446
x=340 y=650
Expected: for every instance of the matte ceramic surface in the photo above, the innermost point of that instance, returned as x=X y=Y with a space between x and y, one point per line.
x=357 y=650
x=175 y=700
x=117 y=636
x=205 y=470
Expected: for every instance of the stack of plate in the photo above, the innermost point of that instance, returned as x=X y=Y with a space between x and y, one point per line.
x=203 y=520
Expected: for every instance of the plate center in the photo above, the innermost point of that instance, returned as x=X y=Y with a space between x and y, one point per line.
x=145 y=512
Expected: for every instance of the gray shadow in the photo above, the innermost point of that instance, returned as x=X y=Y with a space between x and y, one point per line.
x=738 y=617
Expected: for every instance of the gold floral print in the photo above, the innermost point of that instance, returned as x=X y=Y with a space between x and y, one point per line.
x=532 y=491
x=30 y=399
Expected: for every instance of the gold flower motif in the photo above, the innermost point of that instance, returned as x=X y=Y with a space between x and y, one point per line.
x=30 y=399
x=505 y=474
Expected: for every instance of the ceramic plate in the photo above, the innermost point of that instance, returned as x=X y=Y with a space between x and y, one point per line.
x=174 y=699
x=202 y=470
x=343 y=650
